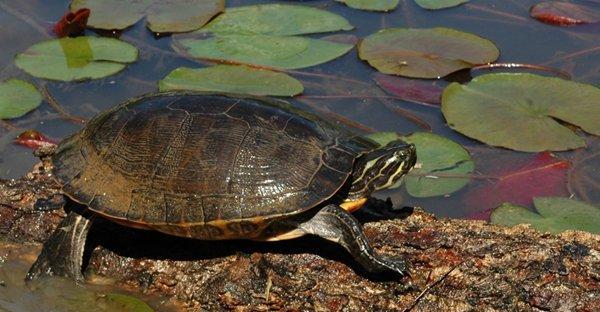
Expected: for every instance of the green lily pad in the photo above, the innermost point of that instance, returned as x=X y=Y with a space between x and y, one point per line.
x=231 y=78
x=129 y=303
x=163 y=16
x=384 y=137
x=17 y=98
x=262 y=35
x=518 y=111
x=112 y=14
x=554 y=215
x=371 y=5
x=276 y=19
x=78 y=58
x=443 y=164
x=439 y=4
x=270 y=51
x=425 y=53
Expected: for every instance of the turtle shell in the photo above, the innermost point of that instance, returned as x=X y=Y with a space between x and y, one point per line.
x=205 y=165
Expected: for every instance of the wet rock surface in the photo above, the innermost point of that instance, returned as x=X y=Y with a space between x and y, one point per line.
x=456 y=265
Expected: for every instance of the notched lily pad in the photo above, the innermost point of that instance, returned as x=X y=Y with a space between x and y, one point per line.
x=554 y=215
x=520 y=111
x=270 y=51
x=231 y=78
x=425 y=53
x=162 y=16
x=78 y=58
x=439 y=4
x=17 y=98
x=443 y=164
x=276 y=19
x=371 y=5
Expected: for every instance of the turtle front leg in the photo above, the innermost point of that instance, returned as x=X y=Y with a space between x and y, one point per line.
x=62 y=253
x=337 y=225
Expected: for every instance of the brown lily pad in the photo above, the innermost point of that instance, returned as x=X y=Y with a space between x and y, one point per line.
x=425 y=53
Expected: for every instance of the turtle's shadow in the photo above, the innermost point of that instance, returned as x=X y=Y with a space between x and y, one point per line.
x=136 y=243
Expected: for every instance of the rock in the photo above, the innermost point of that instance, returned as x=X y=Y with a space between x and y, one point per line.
x=457 y=265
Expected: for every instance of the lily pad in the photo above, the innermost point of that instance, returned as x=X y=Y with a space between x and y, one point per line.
x=271 y=51
x=162 y=16
x=231 y=78
x=78 y=58
x=520 y=111
x=129 y=303
x=276 y=19
x=384 y=137
x=425 y=53
x=439 y=4
x=554 y=215
x=413 y=90
x=371 y=5
x=443 y=164
x=17 y=98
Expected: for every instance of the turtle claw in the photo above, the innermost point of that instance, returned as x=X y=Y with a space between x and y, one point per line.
x=386 y=263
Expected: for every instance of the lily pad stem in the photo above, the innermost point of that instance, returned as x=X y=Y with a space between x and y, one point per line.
x=497 y=12
x=572 y=55
x=454 y=175
x=58 y=108
x=25 y=18
x=325 y=76
x=408 y=115
x=557 y=72
x=7 y=125
x=337 y=117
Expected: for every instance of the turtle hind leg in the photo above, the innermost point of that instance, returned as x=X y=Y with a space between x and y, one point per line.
x=336 y=224
x=62 y=253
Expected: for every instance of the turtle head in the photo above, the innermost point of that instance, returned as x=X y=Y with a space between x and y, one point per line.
x=381 y=168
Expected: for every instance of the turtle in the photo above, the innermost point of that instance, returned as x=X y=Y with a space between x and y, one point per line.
x=217 y=166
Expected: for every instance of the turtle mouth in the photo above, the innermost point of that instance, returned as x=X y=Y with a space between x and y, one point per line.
x=411 y=157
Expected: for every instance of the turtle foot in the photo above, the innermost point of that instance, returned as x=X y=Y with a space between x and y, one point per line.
x=62 y=253
x=337 y=225
x=380 y=264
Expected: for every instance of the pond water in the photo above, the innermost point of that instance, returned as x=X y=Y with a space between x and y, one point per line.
x=342 y=89
x=57 y=294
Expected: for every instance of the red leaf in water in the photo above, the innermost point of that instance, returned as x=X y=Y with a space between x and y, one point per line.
x=564 y=13
x=413 y=90
x=542 y=175
x=72 y=24
x=341 y=38
x=33 y=139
